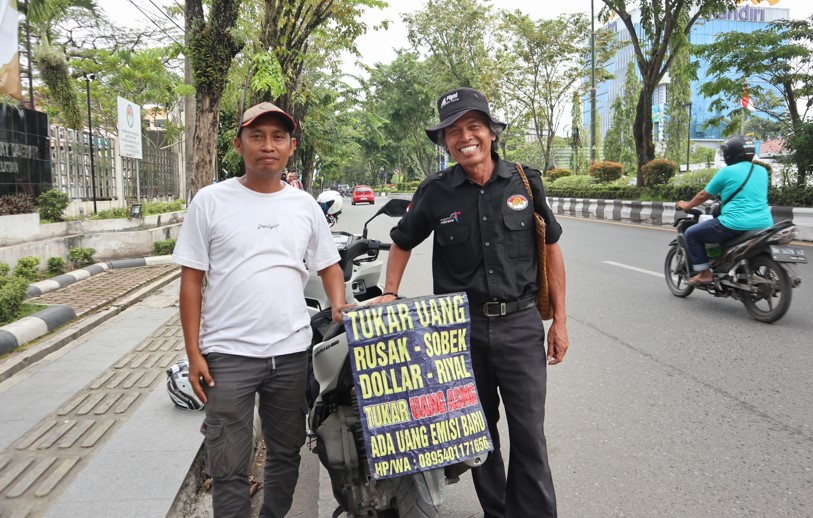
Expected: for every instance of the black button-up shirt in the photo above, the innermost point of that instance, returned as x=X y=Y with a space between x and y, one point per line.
x=485 y=239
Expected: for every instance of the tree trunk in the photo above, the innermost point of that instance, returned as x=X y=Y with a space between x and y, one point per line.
x=207 y=122
x=642 y=130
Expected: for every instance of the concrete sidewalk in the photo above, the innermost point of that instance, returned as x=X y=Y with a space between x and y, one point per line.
x=86 y=427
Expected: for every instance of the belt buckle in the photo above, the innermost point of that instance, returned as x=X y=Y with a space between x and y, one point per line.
x=503 y=309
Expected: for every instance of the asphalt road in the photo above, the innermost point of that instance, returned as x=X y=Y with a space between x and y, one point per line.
x=664 y=406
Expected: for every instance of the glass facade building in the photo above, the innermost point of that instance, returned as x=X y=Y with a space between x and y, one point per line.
x=745 y=18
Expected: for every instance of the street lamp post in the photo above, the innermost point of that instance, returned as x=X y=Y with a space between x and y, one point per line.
x=88 y=79
x=592 y=83
x=28 y=52
x=689 y=138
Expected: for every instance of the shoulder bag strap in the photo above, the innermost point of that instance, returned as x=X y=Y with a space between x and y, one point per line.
x=527 y=186
x=543 y=304
x=741 y=186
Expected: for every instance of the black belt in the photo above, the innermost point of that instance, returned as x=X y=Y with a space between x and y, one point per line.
x=498 y=309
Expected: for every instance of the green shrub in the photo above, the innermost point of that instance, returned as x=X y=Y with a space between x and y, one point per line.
x=606 y=171
x=791 y=197
x=624 y=181
x=56 y=266
x=28 y=268
x=81 y=256
x=52 y=204
x=598 y=191
x=163 y=247
x=573 y=182
x=697 y=178
x=559 y=172
x=12 y=295
x=147 y=209
x=114 y=213
x=19 y=203
x=658 y=171
x=4 y=269
x=159 y=207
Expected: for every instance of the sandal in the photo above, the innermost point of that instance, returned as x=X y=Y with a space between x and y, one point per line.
x=695 y=281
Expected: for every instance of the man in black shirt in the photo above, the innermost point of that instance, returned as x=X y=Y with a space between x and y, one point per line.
x=484 y=245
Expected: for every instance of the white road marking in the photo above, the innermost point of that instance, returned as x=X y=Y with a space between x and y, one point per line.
x=635 y=269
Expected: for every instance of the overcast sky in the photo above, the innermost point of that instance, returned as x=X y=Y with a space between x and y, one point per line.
x=378 y=46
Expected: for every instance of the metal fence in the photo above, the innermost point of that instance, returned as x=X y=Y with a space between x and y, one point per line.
x=70 y=164
x=158 y=171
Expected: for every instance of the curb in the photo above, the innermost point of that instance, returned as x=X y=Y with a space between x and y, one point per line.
x=34 y=326
x=60 y=281
x=36 y=352
x=661 y=213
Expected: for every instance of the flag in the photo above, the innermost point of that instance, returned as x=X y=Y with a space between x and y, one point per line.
x=747 y=103
x=9 y=58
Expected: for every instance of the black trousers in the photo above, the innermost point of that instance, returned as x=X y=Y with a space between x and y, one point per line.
x=509 y=354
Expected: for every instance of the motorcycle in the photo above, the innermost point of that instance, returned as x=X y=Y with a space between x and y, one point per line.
x=334 y=424
x=758 y=267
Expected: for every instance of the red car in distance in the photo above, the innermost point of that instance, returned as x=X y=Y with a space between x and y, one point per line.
x=363 y=194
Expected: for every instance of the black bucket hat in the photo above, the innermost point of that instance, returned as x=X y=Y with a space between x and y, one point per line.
x=457 y=103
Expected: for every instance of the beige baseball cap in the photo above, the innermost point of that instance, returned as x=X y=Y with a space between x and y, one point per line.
x=258 y=110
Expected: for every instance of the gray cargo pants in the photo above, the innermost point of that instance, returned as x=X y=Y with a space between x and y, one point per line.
x=228 y=427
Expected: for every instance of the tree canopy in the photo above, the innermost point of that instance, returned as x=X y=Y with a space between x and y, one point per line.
x=650 y=40
x=778 y=60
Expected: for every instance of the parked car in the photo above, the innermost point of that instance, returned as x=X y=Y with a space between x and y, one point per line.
x=363 y=194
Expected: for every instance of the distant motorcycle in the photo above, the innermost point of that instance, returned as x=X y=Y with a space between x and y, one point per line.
x=758 y=267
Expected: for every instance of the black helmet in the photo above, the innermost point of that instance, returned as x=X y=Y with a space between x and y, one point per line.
x=738 y=149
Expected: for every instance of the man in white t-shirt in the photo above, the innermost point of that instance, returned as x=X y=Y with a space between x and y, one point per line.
x=251 y=238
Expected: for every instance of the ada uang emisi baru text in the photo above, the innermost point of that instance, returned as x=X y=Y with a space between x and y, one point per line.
x=415 y=385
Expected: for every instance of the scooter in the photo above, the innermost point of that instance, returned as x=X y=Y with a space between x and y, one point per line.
x=758 y=267
x=358 y=260
x=334 y=423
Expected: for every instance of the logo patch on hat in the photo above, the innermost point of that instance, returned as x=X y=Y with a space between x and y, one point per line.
x=517 y=202
x=452 y=98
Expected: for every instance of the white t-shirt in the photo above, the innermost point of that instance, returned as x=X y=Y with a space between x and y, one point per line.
x=254 y=248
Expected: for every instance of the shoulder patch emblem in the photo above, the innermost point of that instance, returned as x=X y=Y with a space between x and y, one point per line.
x=517 y=202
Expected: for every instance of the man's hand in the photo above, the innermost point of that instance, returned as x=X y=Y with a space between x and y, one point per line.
x=682 y=205
x=383 y=299
x=198 y=368
x=557 y=342
x=336 y=312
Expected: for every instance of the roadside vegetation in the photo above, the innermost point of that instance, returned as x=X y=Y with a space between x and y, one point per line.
x=369 y=129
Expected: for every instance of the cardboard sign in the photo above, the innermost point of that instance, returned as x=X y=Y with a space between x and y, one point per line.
x=415 y=385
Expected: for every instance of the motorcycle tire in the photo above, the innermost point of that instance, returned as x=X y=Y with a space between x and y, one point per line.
x=408 y=501
x=676 y=272
x=773 y=299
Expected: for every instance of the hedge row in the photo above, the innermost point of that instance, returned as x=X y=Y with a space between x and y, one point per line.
x=787 y=197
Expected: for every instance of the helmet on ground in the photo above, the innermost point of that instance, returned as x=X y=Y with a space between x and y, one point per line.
x=738 y=149
x=331 y=202
x=179 y=388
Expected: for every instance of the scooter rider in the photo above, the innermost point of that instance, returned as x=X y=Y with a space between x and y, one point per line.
x=484 y=244
x=743 y=187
